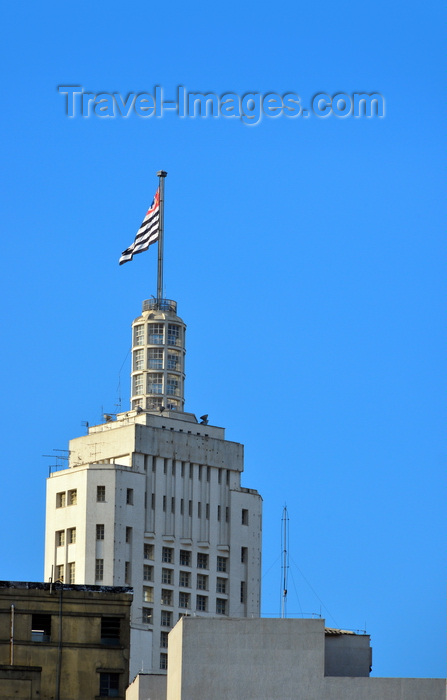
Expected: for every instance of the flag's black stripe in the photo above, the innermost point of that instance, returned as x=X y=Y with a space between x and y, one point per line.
x=150 y=226
x=151 y=219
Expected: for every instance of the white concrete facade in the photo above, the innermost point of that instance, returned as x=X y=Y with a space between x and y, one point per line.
x=153 y=500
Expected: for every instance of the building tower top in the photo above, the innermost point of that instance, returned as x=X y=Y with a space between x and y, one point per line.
x=158 y=357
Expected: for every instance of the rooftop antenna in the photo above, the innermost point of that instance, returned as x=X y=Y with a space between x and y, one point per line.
x=285 y=559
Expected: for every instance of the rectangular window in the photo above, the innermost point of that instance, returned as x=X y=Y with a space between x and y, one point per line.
x=222 y=563
x=40 y=627
x=109 y=684
x=167 y=555
x=100 y=532
x=60 y=538
x=227 y=515
x=219 y=476
x=202 y=603
x=155 y=383
x=99 y=570
x=153 y=501
x=129 y=535
x=164 y=504
x=182 y=506
x=221 y=606
x=148 y=594
x=173 y=505
x=199 y=510
x=155 y=334
x=221 y=585
x=163 y=662
x=155 y=358
x=127 y=572
x=129 y=497
x=138 y=384
x=202 y=582
x=174 y=334
x=184 y=579
x=184 y=600
x=60 y=573
x=166 y=618
x=138 y=335
x=72 y=497
x=244 y=516
x=173 y=385
x=166 y=596
x=190 y=508
x=71 y=535
x=138 y=360
x=147 y=616
x=61 y=499
x=71 y=572
x=163 y=640
x=185 y=557
x=148 y=572
x=243 y=592
x=207 y=511
x=166 y=576
x=148 y=551
x=173 y=360
x=243 y=555
x=100 y=494
x=202 y=560
x=110 y=631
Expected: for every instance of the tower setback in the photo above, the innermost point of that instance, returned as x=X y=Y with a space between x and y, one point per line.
x=153 y=499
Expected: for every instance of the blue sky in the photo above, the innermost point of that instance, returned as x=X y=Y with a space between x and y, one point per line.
x=306 y=258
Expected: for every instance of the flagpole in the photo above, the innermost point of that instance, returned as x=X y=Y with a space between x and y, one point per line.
x=161 y=175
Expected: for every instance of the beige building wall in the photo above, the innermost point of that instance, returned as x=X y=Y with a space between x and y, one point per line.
x=265 y=659
x=147 y=686
x=59 y=646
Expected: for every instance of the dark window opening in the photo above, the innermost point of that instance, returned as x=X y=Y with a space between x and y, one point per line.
x=110 y=631
x=40 y=628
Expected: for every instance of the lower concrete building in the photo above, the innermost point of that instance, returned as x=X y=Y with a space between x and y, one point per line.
x=63 y=642
x=274 y=659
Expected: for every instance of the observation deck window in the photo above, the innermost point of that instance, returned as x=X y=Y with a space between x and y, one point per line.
x=155 y=383
x=174 y=334
x=138 y=335
x=173 y=360
x=155 y=334
x=155 y=358
x=138 y=360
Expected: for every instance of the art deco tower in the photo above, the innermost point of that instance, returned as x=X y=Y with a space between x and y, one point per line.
x=158 y=357
x=153 y=500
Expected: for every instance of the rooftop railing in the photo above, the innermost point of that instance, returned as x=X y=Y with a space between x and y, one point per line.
x=160 y=305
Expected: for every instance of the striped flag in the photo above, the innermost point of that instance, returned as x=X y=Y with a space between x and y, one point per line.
x=147 y=233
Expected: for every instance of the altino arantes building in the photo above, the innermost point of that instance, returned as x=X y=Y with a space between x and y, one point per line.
x=153 y=500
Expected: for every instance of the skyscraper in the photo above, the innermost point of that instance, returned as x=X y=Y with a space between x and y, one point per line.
x=152 y=498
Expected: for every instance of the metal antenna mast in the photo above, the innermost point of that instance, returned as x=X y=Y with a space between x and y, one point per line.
x=285 y=558
x=161 y=175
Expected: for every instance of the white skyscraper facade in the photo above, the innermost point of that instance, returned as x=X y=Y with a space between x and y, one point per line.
x=153 y=499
